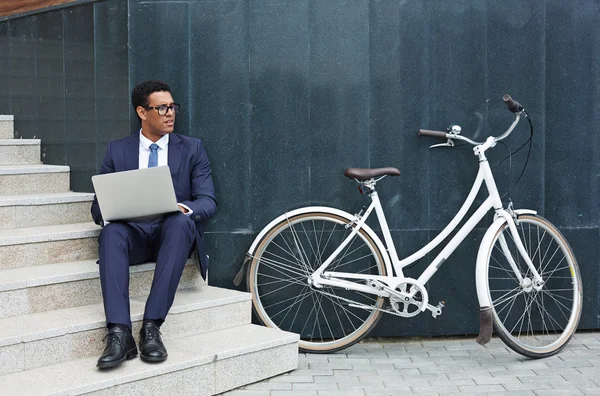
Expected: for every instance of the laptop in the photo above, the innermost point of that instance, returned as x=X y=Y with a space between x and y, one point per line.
x=136 y=194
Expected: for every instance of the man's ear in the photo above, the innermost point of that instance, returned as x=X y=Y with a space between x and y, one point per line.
x=141 y=112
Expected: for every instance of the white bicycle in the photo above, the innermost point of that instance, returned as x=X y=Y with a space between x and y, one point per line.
x=326 y=275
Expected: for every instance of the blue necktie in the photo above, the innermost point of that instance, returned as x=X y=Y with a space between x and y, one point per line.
x=153 y=160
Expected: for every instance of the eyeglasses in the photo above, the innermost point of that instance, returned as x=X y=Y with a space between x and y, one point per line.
x=162 y=110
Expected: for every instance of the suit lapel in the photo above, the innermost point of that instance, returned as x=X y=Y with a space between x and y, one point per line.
x=132 y=152
x=174 y=157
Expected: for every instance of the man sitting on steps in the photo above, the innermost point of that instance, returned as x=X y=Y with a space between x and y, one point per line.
x=168 y=240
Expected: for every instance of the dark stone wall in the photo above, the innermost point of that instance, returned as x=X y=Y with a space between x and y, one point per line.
x=64 y=75
x=286 y=95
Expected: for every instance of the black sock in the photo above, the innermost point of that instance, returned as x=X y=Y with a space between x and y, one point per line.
x=123 y=327
x=157 y=322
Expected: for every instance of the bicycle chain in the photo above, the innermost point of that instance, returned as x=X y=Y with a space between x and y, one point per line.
x=364 y=306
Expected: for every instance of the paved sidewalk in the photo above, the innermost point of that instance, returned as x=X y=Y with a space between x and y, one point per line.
x=439 y=367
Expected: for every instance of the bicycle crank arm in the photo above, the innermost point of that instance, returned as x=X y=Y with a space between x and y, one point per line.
x=436 y=310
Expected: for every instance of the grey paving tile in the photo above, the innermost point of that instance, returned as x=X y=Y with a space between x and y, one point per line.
x=590 y=391
x=361 y=385
x=456 y=382
x=517 y=373
x=555 y=370
x=498 y=380
x=346 y=392
x=527 y=386
x=267 y=386
x=330 y=366
x=469 y=374
x=560 y=392
x=292 y=378
x=293 y=393
x=426 y=377
x=441 y=369
x=396 y=372
x=388 y=391
x=587 y=370
x=481 y=388
x=320 y=386
x=375 y=366
x=353 y=373
x=434 y=389
x=311 y=372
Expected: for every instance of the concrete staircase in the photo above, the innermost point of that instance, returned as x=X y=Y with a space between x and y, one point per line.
x=51 y=314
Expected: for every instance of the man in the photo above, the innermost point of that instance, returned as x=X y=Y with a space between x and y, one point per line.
x=168 y=240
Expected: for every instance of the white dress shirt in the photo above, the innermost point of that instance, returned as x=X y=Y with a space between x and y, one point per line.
x=163 y=157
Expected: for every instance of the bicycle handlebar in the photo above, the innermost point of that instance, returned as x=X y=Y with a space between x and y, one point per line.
x=513 y=106
x=427 y=132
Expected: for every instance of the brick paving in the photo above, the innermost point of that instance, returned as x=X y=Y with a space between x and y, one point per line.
x=440 y=367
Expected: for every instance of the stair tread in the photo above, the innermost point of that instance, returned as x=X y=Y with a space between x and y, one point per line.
x=49 y=233
x=47 y=274
x=20 y=142
x=28 y=168
x=40 y=325
x=82 y=376
x=41 y=199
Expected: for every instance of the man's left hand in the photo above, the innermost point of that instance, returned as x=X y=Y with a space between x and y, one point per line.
x=182 y=209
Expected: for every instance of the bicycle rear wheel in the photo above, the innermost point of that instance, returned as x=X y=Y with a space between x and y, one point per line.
x=282 y=297
x=535 y=322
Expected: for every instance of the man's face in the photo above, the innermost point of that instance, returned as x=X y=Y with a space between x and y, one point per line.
x=152 y=122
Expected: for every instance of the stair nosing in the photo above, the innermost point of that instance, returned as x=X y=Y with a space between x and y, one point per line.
x=48 y=233
x=45 y=199
x=20 y=142
x=11 y=170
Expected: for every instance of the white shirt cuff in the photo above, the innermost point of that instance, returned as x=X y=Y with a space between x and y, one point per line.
x=189 y=211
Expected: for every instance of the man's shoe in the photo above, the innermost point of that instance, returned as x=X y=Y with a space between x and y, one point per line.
x=152 y=348
x=120 y=346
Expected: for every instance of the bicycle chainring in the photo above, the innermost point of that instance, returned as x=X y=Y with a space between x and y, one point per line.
x=410 y=305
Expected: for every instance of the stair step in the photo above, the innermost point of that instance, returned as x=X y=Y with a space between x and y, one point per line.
x=44 y=338
x=39 y=210
x=64 y=285
x=33 y=179
x=7 y=130
x=205 y=364
x=25 y=247
x=20 y=151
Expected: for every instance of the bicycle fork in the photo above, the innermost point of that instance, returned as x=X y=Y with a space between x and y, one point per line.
x=502 y=217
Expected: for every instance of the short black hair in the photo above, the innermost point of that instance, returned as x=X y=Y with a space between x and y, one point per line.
x=141 y=92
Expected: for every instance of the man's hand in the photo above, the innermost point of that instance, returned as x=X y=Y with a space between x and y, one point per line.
x=182 y=209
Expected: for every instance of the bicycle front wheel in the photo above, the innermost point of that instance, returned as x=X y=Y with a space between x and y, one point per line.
x=328 y=319
x=534 y=320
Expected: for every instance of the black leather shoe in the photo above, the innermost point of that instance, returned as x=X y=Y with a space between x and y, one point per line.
x=120 y=346
x=152 y=348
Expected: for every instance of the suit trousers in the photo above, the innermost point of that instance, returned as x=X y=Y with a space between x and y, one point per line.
x=168 y=241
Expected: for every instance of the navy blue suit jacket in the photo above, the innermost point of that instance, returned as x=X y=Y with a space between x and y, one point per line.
x=190 y=171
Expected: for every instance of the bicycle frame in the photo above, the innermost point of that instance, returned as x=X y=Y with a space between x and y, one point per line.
x=493 y=201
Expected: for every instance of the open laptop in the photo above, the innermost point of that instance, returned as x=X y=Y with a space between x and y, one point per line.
x=135 y=194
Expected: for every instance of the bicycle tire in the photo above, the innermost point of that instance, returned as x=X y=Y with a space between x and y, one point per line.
x=551 y=314
x=288 y=252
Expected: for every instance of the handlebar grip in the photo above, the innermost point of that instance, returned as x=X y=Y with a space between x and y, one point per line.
x=513 y=105
x=437 y=134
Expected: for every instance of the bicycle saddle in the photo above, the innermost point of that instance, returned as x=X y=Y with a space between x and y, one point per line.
x=369 y=173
